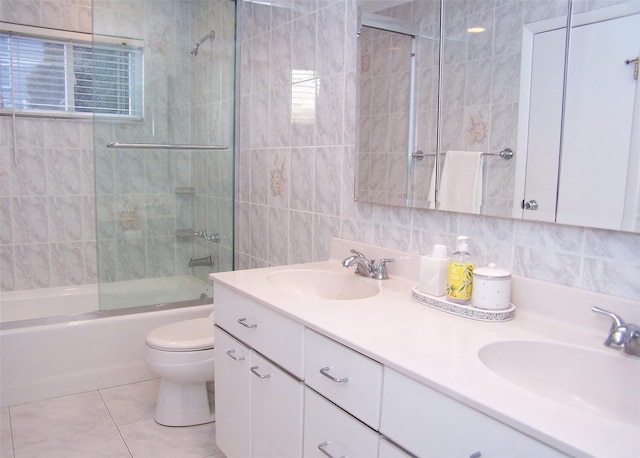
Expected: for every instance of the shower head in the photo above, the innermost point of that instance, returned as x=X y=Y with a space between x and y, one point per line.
x=210 y=36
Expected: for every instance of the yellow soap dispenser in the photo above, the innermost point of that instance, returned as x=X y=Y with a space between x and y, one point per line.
x=460 y=275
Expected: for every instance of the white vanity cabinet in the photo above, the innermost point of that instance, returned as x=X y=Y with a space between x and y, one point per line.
x=344 y=376
x=330 y=431
x=259 y=404
x=430 y=424
x=283 y=390
x=276 y=410
x=232 y=394
x=271 y=334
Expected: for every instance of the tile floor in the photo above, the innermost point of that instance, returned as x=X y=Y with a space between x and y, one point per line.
x=113 y=422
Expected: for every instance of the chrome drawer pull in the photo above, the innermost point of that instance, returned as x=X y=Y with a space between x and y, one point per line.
x=323 y=448
x=325 y=371
x=231 y=353
x=254 y=369
x=243 y=322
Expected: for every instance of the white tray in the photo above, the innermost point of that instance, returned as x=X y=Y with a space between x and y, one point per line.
x=467 y=311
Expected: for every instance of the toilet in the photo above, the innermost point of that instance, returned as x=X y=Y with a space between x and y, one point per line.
x=182 y=354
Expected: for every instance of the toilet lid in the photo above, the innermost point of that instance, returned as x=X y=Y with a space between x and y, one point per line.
x=186 y=335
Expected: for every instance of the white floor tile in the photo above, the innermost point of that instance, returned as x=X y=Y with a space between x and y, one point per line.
x=134 y=402
x=149 y=439
x=6 y=443
x=113 y=422
x=71 y=426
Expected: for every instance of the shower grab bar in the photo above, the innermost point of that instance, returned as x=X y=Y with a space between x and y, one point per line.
x=164 y=146
x=506 y=153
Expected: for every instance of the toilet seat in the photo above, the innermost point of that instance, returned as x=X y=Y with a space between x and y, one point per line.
x=186 y=335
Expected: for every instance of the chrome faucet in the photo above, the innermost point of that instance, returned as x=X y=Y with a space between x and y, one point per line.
x=622 y=336
x=366 y=267
x=207 y=261
x=202 y=234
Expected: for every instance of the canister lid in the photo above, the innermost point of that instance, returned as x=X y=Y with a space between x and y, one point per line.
x=492 y=271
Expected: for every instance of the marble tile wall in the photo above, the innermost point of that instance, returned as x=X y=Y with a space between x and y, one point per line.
x=49 y=209
x=47 y=229
x=295 y=178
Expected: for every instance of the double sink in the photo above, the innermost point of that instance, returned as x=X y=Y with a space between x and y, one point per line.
x=601 y=381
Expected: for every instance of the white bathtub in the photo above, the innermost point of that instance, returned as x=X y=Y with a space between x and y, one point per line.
x=73 y=300
x=78 y=349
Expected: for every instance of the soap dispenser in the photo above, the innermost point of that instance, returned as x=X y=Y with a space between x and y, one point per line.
x=434 y=271
x=460 y=275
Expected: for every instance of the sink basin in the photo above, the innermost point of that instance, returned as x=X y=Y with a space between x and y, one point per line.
x=322 y=284
x=603 y=383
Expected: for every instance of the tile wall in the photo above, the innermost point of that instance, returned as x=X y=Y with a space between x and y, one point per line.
x=47 y=188
x=295 y=178
x=47 y=233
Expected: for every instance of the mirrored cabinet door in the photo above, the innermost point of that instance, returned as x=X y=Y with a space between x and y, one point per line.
x=546 y=79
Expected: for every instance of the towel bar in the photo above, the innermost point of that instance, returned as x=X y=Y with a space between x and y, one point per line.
x=163 y=146
x=506 y=153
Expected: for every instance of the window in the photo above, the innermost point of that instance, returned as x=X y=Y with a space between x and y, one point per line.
x=69 y=74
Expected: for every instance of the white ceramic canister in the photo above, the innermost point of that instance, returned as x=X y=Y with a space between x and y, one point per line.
x=491 y=288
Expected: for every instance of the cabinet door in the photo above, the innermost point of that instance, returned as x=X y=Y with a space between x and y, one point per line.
x=276 y=410
x=232 y=395
x=430 y=424
x=329 y=431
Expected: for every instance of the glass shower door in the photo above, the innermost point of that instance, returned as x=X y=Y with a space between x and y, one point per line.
x=164 y=177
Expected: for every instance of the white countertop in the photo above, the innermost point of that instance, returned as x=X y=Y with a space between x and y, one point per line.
x=441 y=350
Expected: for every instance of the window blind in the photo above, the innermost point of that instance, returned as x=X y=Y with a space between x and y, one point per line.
x=53 y=76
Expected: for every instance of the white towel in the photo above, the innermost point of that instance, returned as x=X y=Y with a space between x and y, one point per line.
x=460 y=187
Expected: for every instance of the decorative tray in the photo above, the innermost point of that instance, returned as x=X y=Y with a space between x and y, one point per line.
x=467 y=311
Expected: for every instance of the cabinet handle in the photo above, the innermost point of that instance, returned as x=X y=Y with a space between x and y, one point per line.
x=243 y=322
x=231 y=353
x=477 y=454
x=325 y=371
x=323 y=448
x=254 y=369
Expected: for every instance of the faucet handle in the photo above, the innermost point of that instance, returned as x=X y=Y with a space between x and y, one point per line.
x=617 y=320
x=357 y=253
x=380 y=272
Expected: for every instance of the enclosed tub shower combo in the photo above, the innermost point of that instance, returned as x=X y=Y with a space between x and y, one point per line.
x=159 y=203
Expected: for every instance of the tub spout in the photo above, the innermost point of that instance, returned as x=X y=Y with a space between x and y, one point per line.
x=207 y=261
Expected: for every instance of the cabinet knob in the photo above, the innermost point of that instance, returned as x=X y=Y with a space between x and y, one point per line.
x=530 y=205
x=477 y=454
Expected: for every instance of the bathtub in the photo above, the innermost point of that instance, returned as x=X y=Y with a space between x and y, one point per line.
x=55 y=341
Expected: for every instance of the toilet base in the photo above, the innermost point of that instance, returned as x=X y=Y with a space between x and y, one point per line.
x=183 y=404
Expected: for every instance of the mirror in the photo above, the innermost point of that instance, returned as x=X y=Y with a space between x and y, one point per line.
x=398 y=46
x=487 y=103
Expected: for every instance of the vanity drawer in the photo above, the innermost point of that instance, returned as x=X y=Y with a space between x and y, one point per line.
x=330 y=430
x=428 y=423
x=273 y=335
x=344 y=376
